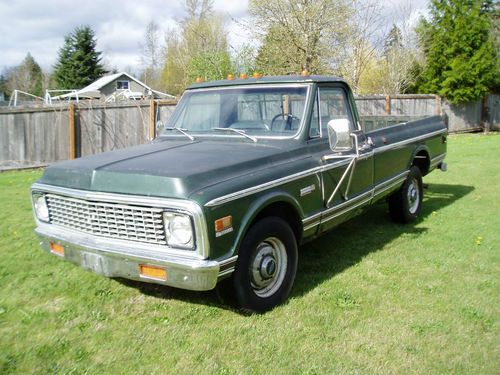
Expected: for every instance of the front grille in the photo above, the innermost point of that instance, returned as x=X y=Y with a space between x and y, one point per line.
x=143 y=224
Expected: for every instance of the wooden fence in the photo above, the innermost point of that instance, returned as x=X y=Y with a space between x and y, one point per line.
x=31 y=137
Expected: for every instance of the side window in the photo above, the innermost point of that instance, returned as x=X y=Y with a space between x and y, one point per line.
x=314 y=129
x=333 y=105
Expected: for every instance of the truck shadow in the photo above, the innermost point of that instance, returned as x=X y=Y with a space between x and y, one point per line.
x=350 y=242
x=337 y=250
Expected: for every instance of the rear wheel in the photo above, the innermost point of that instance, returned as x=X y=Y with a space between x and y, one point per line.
x=405 y=204
x=266 y=266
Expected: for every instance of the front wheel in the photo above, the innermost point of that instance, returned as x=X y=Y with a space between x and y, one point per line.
x=266 y=266
x=406 y=203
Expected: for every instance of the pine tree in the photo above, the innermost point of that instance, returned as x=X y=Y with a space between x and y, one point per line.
x=393 y=41
x=460 y=57
x=79 y=63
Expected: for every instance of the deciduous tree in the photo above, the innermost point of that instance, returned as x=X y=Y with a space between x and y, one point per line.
x=151 y=51
x=298 y=35
x=198 y=47
x=27 y=77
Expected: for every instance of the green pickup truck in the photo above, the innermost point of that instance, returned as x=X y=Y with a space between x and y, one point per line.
x=244 y=172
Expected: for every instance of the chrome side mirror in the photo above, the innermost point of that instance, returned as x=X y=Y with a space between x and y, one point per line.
x=339 y=135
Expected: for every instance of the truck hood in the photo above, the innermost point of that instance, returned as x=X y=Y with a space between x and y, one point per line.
x=166 y=168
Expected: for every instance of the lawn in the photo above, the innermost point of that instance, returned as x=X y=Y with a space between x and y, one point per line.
x=370 y=297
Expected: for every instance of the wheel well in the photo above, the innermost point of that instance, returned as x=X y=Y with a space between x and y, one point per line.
x=286 y=212
x=422 y=161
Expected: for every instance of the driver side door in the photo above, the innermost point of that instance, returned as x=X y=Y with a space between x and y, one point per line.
x=346 y=176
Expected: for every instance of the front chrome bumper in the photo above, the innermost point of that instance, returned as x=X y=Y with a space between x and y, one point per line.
x=112 y=258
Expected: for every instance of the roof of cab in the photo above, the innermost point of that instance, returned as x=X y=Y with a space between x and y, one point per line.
x=267 y=79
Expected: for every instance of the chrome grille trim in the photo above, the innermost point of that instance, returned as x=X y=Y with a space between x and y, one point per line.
x=127 y=222
x=189 y=207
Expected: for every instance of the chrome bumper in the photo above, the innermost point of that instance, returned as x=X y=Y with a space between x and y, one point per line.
x=113 y=258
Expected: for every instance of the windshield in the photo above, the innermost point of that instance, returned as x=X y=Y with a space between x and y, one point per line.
x=257 y=111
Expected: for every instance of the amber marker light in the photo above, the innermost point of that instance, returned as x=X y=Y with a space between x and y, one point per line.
x=199 y=80
x=223 y=225
x=257 y=75
x=243 y=76
x=305 y=73
x=230 y=77
x=152 y=272
x=56 y=249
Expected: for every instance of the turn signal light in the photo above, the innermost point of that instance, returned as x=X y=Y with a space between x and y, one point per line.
x=152 y=272
x=56 y=249
x=223 y=225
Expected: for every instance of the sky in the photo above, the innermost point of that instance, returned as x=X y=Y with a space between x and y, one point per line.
x=39 y=27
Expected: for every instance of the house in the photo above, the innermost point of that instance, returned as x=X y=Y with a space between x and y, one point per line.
x=119 y=86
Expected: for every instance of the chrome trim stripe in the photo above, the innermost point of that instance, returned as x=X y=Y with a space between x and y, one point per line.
x=324 y=220
x=352 y=202
x=200 y=226
x=396 y=183
x=232 y=259
x=273 y=183
x=311 y=226
x=231 y=262
x=376 y=150
x=348 y=203
x=437 y=159
x=391 y=182
x=226 y=272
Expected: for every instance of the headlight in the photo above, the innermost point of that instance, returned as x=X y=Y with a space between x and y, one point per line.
x=40 y=205
x=178 y=230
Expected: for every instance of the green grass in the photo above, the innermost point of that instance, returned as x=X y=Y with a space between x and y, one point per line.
x=370 y=297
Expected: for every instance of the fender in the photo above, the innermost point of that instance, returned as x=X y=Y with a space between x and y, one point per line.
x=257 y=206
x=415 y=159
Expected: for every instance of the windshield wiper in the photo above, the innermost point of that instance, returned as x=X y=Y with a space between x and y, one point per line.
x=181 y=130
x=237 y=131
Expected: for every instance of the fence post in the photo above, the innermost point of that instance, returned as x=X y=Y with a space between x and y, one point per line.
x=71 y=130
x=387 y=105
x=152 y=125
x=485 y=115
x=438 y=105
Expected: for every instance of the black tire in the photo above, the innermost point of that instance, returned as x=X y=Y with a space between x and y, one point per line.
x=406 y=203
x=266 y=265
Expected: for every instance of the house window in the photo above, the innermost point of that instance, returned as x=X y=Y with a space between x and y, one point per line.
x=122 y=85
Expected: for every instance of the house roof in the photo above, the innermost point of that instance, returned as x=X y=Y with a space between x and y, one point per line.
x=93 y=90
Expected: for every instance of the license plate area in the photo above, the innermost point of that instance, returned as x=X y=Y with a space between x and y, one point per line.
x=92 y=262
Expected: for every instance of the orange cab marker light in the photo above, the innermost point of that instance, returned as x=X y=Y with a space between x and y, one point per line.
x=56 y=249
x=305 y=72
x=243 y=76
x=199 y=80
x=230 y=77
x=257 y=75
x=152 y=272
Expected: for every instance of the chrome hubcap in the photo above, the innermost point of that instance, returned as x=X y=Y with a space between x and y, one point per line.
x=268 y=267
x=413 y=196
